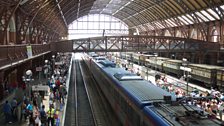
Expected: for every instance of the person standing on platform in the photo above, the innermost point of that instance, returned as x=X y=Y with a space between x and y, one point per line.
x=50 y=114
x=43 y=116
x=7 y=111
x=39 y=100
x=221 y=108
x=57 y=99
x=36 y=115
x=23 y=113
x=14 y=106
x=29 y=109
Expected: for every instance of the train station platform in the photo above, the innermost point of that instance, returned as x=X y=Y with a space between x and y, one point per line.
x=41 y=86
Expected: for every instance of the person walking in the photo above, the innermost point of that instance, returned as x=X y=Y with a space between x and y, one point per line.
x=23 y=113
x=43 y=116
x=14 y=106
x=50 y=114
x=7 y=112
x=30 y=113
x=36 y=115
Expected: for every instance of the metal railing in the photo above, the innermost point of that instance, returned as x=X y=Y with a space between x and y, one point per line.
x=13 y=53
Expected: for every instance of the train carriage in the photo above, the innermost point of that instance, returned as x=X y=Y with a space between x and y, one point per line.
x=173 y=66
x=156 y=62
x=138 y=102
x=204 y=73
x=220 y=79
x=143 y=58
x=122 y=55
x=134 y=94
x=136 y=58
x=126 y=92
x=128 y=56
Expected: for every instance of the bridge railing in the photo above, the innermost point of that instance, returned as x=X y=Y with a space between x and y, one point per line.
x=13 y=53
x=143 y=43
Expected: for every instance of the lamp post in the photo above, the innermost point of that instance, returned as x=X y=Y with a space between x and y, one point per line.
x=46 y=68
x=27 y=79
x=186 y=70
x=53 y=63
x=156 y=55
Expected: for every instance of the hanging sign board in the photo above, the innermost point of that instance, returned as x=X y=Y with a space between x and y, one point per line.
x=40 y=88
x=29 y=51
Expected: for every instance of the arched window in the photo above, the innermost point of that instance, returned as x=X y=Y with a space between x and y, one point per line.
x=96 y=25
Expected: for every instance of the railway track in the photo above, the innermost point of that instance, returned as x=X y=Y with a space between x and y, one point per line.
x=79 y=111
x=103 y=113
x=87 y=105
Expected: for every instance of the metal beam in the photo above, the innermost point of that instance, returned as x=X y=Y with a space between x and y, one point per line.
x=143 y=43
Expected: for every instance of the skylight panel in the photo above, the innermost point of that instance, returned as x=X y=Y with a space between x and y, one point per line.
x=213 y=13
x=201 y=16
x=222 y=7
x=173 y=23
x=170 y=24
x=150 y=26
x=159 y=25
x=183 y=20
x=187 y=19
x=208 y=15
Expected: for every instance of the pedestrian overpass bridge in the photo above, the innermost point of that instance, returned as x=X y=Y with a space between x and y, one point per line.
x=136 y=43
x=10 y=54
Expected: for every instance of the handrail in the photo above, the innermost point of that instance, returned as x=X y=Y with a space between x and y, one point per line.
x=14 y=53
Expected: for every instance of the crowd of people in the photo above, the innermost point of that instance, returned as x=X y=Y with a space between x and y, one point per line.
x=210 y=102
x=33 y=109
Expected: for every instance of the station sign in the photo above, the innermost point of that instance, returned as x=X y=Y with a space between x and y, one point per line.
x=40 y=88
x=185 y=68
x=58 y=63
x=38 y=68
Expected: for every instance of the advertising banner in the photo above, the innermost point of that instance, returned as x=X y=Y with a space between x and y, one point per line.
x=29 y=51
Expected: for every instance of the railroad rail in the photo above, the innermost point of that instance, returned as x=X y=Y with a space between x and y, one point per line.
x=79 y=111
x=104 y=115
x=84 y=114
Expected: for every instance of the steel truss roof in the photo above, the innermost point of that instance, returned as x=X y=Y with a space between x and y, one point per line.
x=143 y=14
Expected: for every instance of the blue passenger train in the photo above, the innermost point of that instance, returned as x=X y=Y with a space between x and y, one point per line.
x=138 y=102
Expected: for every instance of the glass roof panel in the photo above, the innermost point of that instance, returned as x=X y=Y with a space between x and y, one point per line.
x=208 y=15
x=190 y=17
x=213 y=13
x=222 y=7
x=171 y=22
x=201 y=16
x=183 y=20
x=159 y=25
x=168 y=23
x=187 y=19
